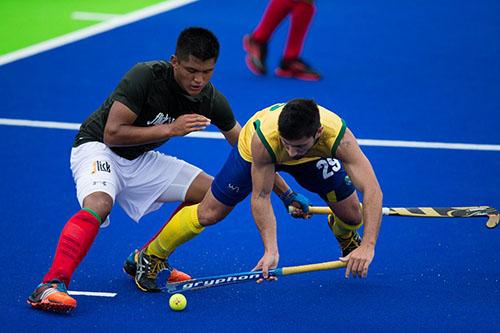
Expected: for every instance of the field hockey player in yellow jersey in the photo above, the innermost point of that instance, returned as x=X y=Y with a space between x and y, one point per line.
x=313 y=145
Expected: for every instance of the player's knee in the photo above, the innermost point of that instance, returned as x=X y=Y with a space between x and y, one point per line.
x=209 y=217
x=211 y=211
x=351 y=215
x=99 y=202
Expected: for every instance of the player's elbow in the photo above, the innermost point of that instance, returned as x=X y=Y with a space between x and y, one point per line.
x=377 y=194
x=110 y=136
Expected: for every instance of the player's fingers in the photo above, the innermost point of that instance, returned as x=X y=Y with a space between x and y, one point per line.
x=198 y=124
x=365 y=269
x=361 y=267
x=257 y=267
x=194 y=117
x=265 y=271
x=354 y=267
x=348 y=267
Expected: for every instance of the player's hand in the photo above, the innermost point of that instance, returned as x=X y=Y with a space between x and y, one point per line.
x=268 y=261
x=297 y=212
x=358 y=261
x=188 y=123
x=299 y=202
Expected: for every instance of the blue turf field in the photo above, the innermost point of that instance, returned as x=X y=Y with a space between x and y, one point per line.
x=396 y=70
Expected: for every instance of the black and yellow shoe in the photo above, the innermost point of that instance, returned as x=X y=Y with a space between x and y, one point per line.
x=130 y=267
x=348 y=241
x=147 y=268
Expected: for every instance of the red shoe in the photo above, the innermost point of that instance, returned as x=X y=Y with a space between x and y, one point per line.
x=256 y=55
x=298 y=69
x=178 y=276
x=52 y=296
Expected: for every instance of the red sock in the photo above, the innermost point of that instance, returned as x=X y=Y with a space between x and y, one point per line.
x=182 y=205
x=275 y=12
x=302 y=14
x=76 y=238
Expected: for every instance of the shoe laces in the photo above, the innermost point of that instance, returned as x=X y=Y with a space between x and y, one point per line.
x=57 y=285
x=157 y=265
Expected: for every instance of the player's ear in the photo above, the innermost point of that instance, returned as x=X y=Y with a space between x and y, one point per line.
x=318 y=132
x=174 y=61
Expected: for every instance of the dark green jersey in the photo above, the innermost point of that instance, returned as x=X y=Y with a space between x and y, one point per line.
x=150 y=90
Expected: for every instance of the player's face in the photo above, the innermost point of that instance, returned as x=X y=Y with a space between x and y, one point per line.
x=297 y=149
x=193 y=74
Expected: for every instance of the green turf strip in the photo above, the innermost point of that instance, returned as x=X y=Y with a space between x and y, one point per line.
x=28 y=22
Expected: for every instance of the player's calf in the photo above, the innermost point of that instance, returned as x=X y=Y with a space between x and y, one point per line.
x=347 y=235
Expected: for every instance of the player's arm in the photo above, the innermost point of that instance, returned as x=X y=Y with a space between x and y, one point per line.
x=232 y=135
x=223 y=117
x=263 y=173
x=359 y=169
x=120 y=131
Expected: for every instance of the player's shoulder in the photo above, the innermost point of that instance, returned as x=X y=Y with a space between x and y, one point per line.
x=152 y=69
x=212 y=90
x=327 y=113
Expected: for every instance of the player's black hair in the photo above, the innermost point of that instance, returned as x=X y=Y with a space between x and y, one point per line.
x=198 y=42
x=299 y=119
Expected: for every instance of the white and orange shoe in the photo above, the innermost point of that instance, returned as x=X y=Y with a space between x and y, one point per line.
x=52 y=296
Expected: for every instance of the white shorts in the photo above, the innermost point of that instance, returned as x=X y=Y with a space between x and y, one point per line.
x=140 y=186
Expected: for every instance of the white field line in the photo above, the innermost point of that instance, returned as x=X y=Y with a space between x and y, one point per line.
x=91 y=293
x=90 y=16
x=217 y=135
x=93 y=30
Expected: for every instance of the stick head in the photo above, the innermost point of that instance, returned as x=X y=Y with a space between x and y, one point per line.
x=493 y=221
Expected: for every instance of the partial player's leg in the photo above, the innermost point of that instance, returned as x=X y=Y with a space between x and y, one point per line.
x=328 y=179
x=292 y=65
x=255 y=44
x=230 y=186
x=345 y=222
x=95 y=190
x=177 y=181
x=186 y=224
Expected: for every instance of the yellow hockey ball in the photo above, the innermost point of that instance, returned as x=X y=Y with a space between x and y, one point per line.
x=177 y=302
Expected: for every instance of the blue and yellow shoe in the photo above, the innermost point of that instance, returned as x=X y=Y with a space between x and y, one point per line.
x=52 y=296
x=349 y=241
x=130 y=267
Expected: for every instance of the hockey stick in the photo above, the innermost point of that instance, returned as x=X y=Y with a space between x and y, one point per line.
x=472 y=211
x=222 y=280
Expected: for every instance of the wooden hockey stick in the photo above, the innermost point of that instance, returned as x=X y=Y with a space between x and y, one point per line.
x=471 y=211
x=222 y=280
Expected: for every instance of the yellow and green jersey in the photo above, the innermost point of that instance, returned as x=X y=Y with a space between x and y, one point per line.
x=264 y=124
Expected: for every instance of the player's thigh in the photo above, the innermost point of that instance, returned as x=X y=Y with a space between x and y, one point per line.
x=187 y=184
x=96 y=176
x=211 y=210
x=198 y=188
x=233 y=183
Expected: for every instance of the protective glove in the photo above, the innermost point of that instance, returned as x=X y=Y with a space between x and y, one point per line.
x=291 y=198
